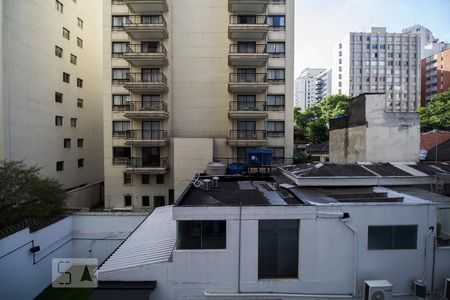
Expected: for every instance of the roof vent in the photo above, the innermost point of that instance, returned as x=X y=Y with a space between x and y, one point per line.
x=207 y=184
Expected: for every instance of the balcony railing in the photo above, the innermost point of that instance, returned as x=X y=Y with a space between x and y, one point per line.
x=144 y=20
x=247 y=106
x=248 y=20
x=248 y=78
x=146 y=78
x=247 y=135
x=157 y=162
x=146 y=49
x=120 y=160
x=147 y=135
x=248 y=49
x=147 y=106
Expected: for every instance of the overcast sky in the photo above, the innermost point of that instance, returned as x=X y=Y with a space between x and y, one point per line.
x=320 y=24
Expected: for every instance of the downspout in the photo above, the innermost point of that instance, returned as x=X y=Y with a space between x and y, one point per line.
x=239 y=249
x=355 y=255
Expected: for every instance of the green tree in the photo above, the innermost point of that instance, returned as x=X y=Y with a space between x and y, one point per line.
x=317 y=131
x=436 y=115
x=24 y=194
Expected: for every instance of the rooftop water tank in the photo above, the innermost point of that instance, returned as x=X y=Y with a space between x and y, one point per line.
x=216 y=168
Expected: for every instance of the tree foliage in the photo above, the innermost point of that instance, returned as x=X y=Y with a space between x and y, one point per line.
x=314 y=120
x=24 y=194
x=436 y=115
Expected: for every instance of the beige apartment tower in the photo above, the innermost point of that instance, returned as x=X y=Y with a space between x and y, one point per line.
x=190 y=82
x=50 y=103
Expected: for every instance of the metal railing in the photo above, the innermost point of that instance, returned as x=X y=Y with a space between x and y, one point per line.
x=145 y=20
x=277 y=1
x=247 y=106
x=120 y=160
x=247 y=135
x=147 y=106
x=146 y=135
x=276 y=161
x=156 y=162
x=255 y=48
x=145 y=48
x=248 y=77
x=248 y=20
x=143 y=78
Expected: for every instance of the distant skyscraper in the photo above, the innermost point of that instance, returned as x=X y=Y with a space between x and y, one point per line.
x=429 y=45
x=435 y=75
x=378 y=61
x=305 y=87
x=323 y=85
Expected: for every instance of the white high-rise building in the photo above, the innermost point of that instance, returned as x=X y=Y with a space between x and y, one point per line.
x=323 y=85
x=379 y=62
x=189 y=82
x=305 y=87
x=50 y=82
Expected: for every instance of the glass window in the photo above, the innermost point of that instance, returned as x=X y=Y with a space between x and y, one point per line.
x=73 y=59
x=67 y=143
x=121 y=126
x=159 y=178
x=145 y=201
x=79 y=82
x=119 y=101
x=79 y=42
x=58 y=120
x=120 y=74
x=275 y=47
x=275 y=101
x=58 y=51
x=119 y=21
x=81 y=163
x=127 y=179
x=66 y=77
x=80 y=103
x=119 y=47
x=392 y=237
x=275 y=128
x=58 y=97
x=275 y=75
x=66 y=33
x=443 y=227
x=201 y=234
x=278 y=248
x=145 y=179
x=73 y=122
x=59 y=6
x=276 y=21
x=127 y=200
x=80 y=23
x=80 y=143
x=59 y=166
x=159 y=201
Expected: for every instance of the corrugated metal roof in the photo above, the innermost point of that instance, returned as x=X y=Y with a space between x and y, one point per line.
x=152 y=242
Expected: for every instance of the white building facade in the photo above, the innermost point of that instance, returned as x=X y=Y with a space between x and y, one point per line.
x=323 y=84
x=378 y=61
x=305 y=88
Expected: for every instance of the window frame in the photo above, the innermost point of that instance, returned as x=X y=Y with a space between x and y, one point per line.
x=59 y=6
x=276 y=133
x=80 y=163
x=187 y=237
x=59 y=52
x=80 y=82
x=80 y=143
x=280 y=26
x=394 y=230
x=60 y=166
x=73 y=59
x=58 y=119
x=59 y=97
x=66 y=77
x=66 y=33
x=80 y=23
x=73 y=122
x=79 y=42
x=67 y=143
x=80 y=103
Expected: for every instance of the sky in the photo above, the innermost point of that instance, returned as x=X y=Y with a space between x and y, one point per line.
x=320 y=24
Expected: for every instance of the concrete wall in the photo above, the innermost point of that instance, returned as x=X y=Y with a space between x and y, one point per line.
x=85 y=197
x=77 y=236
x=30 y=31
x=348 y=145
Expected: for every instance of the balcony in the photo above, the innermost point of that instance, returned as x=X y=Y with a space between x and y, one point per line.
x=146 y=83
x=249 y=110
x=248 y=55
x=147 y=138
x=247 y=6
x=147 y=166
x=146 y=55
x=146 y=27
x=154 y=110
x=247 y=27
x=248 y=83
x=147 y=6
x=244 y=138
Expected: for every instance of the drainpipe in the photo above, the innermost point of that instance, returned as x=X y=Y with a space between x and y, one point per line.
x=239 y=249
x=355 y=254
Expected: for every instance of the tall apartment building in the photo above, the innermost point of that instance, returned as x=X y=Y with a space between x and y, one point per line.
x=323 y=85
x=192 y=82
x=305 y=87
x=435 y=75
x=429 y=45
x=378 y=61
x=50 y=104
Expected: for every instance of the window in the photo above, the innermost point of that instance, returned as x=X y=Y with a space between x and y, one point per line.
x=81 y=163
x=275 y=75
x=59 y=166
x=120 y=128
x=79 y=42
x=67 y=143
x=58 y=120
x=80 y=143
x=277 y=154
x=80 y=23
x=59 y=6
x=145 y=179
x=145 y=201
x=120 y=102
x=127 y=178
x=120 y=73
x=275 y=102
x=119 y=21
x=275 y=128
x=73 y=122
x=58 y=51
x=66 y=33
x=159 y=201
x=274 y=48
x=443 y=227
x=278 y=248
x=58 y=97
x=202 y=234
x=121 y=155
x=80 y=103
x=119 y=47
x=66 y=77
x=276 y=21
x=73 y=59
x=127 y=200
x=393 y=237
x=159 y=178
x=79 y=82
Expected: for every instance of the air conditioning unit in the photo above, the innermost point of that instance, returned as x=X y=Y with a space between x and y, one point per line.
x=447 y=289
x=419 y=288
x=377 y=290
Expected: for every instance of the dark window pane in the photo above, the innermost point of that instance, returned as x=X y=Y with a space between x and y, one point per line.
x=145 y=179
x=214 y=234
x=145 y=201
x=380 y=237
x=392 y=237
x=189 y=234
x=404 y=237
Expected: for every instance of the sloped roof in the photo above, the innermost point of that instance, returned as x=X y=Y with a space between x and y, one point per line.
x=443 y=152
x=322 y=148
